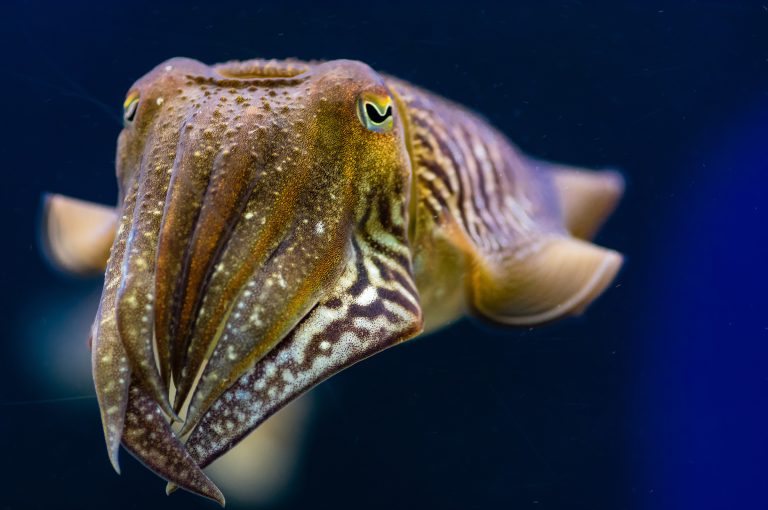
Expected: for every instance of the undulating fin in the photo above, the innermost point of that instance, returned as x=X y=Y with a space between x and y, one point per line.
x=374 y=305
x=77 y=235
x=587 y=197
x=149 y=437
x=546 y=279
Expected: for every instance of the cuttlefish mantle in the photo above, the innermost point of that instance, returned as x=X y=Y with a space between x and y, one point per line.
x=278 y=221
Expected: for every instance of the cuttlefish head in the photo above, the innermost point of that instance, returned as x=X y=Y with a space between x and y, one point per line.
x=259 y=239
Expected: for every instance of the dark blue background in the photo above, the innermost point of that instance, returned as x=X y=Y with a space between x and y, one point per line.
x=655 y=399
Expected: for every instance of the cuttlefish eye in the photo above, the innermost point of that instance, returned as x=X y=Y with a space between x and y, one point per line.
x=130 y=106
x=375 y=113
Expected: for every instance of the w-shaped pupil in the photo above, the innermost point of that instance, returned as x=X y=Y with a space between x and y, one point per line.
x=374 y=114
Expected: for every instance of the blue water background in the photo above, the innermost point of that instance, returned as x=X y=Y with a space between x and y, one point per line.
x=656 y=399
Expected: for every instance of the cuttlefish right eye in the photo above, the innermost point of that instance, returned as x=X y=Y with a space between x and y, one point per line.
x=375 y=113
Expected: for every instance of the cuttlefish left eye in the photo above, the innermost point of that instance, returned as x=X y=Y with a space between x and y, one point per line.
x=130 y=106
x=375 y=113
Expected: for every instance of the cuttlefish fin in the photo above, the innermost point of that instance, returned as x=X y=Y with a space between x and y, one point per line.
x=77 y=235
x=586 y=197
x=149 y=437
x=549 y=278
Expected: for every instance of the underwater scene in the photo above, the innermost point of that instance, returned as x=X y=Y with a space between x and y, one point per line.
x=280 y=255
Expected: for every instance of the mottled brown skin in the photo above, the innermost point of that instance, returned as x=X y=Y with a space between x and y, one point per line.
x=280 y=221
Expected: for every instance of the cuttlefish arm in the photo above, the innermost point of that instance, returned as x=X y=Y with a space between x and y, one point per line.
x=374 y=305
x=149 y=437
x=78 y=236
x=129 y=415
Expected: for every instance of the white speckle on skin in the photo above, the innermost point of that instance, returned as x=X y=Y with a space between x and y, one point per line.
x=160 y=101
x=367 y=296
x=168 y=68
x=325 y=345
x=319 y=228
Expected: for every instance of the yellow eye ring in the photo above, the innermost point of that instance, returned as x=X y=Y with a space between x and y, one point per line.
x=130 y=106
x=376 y=113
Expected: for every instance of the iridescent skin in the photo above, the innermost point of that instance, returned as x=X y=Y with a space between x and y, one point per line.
x=280 y=221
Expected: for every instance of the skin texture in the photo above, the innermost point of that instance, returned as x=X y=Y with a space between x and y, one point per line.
x=279 y=221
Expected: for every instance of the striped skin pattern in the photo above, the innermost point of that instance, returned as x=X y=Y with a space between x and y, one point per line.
x=479 y=199
x=492 y=216
x=373 y=305
x=467 y=172
x=279 y=221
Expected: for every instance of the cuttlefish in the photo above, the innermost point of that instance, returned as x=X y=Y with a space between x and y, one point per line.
x=278 y=221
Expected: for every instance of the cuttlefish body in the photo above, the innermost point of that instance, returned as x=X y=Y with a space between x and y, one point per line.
x=279 y=221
